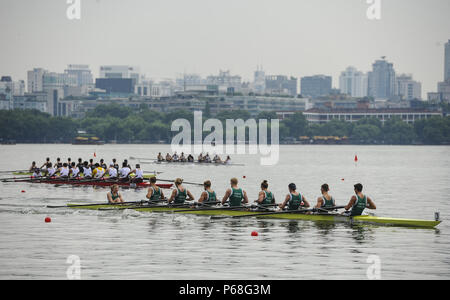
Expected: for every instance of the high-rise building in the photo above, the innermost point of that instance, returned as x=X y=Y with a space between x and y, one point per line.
x=35 y=80
x=407 y=88
x=82 y=73
x=353 y=82
x=120 y=72
x=225 y=81
x=281 y=85
x=447 y=62
x=259 y=83
x=316 y=86
x=382 y=80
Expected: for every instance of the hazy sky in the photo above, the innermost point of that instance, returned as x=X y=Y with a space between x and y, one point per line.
x=168 y=37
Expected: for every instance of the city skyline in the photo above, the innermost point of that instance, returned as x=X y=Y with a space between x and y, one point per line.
x=202 y=37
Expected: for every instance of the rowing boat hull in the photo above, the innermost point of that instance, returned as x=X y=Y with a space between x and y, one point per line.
x=287 y=216
x=96 y=183
x=147 y=176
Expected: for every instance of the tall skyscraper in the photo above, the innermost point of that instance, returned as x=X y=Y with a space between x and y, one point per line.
x=353 y=82
x=35 y=81
x=382 y=80
x=316 y=86
x=259 y=83
x=447 y=62
x=407 y=88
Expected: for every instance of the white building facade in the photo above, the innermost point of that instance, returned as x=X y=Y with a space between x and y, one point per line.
x=354 y=83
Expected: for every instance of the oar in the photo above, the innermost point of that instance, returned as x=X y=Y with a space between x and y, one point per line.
x=146 y=206
x=95 y=204
x=13 y=179
x=212 y=209
x=264 y=214
x=15 y=171
x=171 y=181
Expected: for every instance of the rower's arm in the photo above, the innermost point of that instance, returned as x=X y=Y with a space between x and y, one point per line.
x=191 y=197
x=351 y=203
x=371 y=204
x=260 y=197
x=305 y=201
x=227 y=195
x=202 y=197
x=283 y=205
x=319 y=202
x=172 y=197
x=245 y=197
x=162 y=194
x=110 y=200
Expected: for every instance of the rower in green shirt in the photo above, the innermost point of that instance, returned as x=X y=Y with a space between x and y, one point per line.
x=265 y=196
x=326 y=201
x=180 y=194
x=359 y=202
x=235 y=195
x=154 y=192
x=208 y=196
x=294 y=200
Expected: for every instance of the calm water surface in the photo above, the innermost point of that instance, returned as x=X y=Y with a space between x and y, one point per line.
x=410 y=182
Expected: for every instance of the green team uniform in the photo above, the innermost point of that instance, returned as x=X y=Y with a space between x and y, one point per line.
x=359 y=206
x=211 y=197
x=180 y=197
x=295 y=202
x=268 y=198
x=236 y=197
x=156 y=195
x=328 y=203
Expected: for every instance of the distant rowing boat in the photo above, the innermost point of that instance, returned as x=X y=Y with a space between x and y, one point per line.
x=101 y=183
x=321 y=217
x=147 y=176
x=148 y=161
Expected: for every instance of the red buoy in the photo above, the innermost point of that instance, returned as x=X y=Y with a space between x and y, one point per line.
x=48 y=220
x=356 y=158
x=23 y=191
x=254 y=233
x=244 y=177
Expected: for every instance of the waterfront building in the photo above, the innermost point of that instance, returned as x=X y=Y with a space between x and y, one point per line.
x=316 y=86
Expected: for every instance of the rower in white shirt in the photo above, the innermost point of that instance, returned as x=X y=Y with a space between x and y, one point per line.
x=64 y=171
x=87 y=171
x=139 y=178
x=74 y=171
x=124 y=173
x=51 y=171
x=112 y=171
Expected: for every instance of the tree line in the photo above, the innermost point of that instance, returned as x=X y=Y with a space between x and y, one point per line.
x=125 y=125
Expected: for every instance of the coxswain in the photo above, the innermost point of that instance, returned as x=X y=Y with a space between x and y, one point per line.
x=98 y=172
x=74 y=171
x=36 y=173
x=326 y=200
x=160 y=157
x=87 y=171
x=265 y=196
x=358 y=202
x=64 y=171
x=114 y=196
x=51 y=171
x=139 y=178
x=235 y=195
x=208 y=196
x=124 y=172
x=112 y=172
x=180 y=193
x=154 y=192
x=294 y=200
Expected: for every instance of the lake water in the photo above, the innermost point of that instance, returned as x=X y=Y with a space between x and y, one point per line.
x=409 y=182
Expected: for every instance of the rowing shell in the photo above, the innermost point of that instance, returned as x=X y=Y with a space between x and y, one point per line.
x=146 y=176
x=288 y=216
x=94 y=183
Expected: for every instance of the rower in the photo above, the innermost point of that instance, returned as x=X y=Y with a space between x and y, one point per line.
x=182 y=157
x=33 y=166
x=208 y=196
x=115 y=164
x=200 y=158
x=102 y=164
x=180 y=194
x=160 y=157
x=87 y=171
x=69 y=162
x=114 y=196
x=207 y=158
x=51 y=171
x=235 y=195
x=112 y=172
x=91 y=164
x=175 y=157
x=80 y=165
x=190 y=158
x=359 y=202
x=64 y=171
x=74 y=171
x=168 y=157
x=124 y=173
x=265 y=196
x=294 y=200
x=98 y=172
x=228 y=160
x=58 y=163
x=326 y=201
x=217 y=159
x=46 y=162
x=154 y=192
x=125 y=161
x=139 y=178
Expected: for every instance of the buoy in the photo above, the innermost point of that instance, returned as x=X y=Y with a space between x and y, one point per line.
x=254 y=233
x=48 y=220
x=244 y=176
x=343 y=179
x=356 y=158
x=23 y=191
